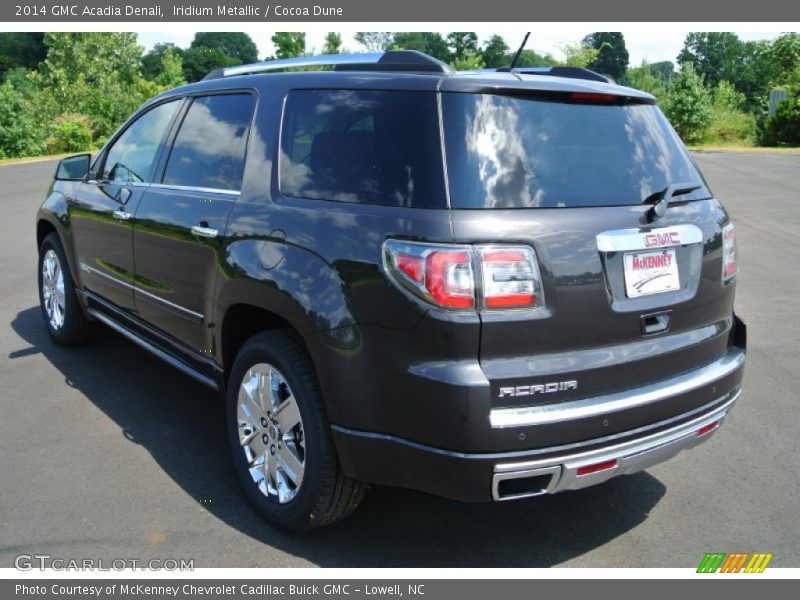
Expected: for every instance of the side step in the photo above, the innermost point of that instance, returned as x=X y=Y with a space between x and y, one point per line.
x=153 y=349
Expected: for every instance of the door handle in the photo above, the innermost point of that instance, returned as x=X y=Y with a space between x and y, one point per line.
x=204 y=232
x=121 y=215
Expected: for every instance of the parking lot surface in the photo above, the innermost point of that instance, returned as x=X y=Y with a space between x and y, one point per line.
x=105 y=452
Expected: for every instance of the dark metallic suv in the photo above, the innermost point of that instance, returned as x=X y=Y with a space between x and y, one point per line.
x=485 y=285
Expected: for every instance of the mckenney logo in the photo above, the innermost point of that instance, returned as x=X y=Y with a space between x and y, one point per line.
x=735 y=562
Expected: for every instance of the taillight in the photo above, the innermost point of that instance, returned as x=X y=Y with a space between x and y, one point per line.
x=442 y=274
x=730 y=263
x=594 y=97
x=510 y=277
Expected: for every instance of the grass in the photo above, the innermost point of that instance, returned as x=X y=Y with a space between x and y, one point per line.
x=29 y=159
x=739 y=147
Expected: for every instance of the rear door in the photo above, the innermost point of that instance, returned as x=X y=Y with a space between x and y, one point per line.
x=102 y=209
x=627 y=301
x=182 y=217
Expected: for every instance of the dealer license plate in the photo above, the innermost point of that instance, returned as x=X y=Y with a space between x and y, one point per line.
x=651 y=272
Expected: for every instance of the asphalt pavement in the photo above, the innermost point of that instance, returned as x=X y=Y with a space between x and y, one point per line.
x=107 y=453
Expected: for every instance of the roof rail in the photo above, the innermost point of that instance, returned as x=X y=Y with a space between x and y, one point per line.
x=393 y=60
x=568 y=72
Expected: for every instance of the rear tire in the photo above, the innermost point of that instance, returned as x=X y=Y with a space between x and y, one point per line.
x=280 y=437
x=61 y=310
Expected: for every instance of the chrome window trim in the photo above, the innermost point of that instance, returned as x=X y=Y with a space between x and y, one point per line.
x=623 y=240
x=197 y=189
x=138 y=290
x=526 y=416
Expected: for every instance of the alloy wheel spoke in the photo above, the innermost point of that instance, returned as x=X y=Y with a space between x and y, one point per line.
x=291 y=465
x=288 y=415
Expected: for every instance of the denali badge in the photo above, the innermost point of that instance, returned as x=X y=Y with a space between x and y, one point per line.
x=538 y=388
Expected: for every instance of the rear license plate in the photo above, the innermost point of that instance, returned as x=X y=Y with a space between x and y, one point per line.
x=651 y=272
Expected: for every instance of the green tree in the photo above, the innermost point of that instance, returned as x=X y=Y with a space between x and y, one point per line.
x=199 y=62
x=468 y=62
x=22 y=128
x=664 y=70
x=612 y=55
x=21 y=50
x=375 y=41
x=721 y=56
x=578 y=55
x=687 y=104
x=152 y=61
x=171 y=72
x=643 y=78
x=531 y=58
x=429 y=42
x=463 y=44
x=333 y=43
x=92 y=74
x=289 y=44
x=784 y=54
x=237 y=45
x=495 y=52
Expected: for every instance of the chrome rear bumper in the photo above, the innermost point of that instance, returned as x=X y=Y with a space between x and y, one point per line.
x=574 y=471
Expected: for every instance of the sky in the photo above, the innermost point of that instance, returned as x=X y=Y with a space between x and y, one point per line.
x=643 y=43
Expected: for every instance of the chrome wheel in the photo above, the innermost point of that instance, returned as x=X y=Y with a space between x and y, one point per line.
x=271 y=432
x=53 y=289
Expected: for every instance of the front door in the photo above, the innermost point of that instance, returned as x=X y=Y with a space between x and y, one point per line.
x=102 y=209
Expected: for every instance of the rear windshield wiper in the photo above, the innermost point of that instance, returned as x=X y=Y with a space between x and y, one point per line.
x=662 y=199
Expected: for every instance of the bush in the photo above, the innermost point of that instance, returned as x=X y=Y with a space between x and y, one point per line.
x=784 y=127
x=687 y=104
x=70 y=133
x=22 y=132
x=729 y=121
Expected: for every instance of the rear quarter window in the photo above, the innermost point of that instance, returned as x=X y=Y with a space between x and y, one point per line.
x=364 y=147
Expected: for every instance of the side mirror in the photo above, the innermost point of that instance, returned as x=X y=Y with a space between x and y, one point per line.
x=73 y=168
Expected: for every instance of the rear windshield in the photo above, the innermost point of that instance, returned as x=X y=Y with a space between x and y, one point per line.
x=512 y=152
x=364 y=147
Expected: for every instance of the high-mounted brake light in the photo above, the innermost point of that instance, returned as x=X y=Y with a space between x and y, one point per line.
x=442 y=274
x=593 y=97
x=730 y=262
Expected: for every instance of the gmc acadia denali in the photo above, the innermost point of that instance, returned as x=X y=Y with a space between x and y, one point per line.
x=481 y=285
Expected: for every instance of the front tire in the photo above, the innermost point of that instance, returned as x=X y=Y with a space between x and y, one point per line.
x=62 y=313
x=280 y=437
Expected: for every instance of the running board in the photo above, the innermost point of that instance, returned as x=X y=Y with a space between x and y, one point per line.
x=153 y=349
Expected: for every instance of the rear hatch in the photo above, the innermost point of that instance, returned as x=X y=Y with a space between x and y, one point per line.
x=629 y=297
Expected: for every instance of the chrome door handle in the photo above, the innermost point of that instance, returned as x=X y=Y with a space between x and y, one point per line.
x=205 y=232
x=121 y=215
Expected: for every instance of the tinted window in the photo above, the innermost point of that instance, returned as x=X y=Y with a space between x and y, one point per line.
x=366 y=147
x=132 y=156
x=209 y=148
x=505 y=152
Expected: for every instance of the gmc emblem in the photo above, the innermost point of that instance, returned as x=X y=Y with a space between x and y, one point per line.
x=669 y=238
x=538 y=388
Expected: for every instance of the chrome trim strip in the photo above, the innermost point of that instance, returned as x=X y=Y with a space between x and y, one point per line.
x=191 y=188
x=622 y=240
x=631 y=457
x=87 y=269
x=196 y=315
x=168 y=358
x=727 y=400
x=599 y=405
x=138 y=290
x=303 y=61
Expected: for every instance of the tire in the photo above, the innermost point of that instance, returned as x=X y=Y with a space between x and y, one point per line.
x=63 y=315
x=299 y=484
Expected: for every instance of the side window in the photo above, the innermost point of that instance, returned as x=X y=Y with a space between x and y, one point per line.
x=131 y=157
x=366 y=147
x=209 y=148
